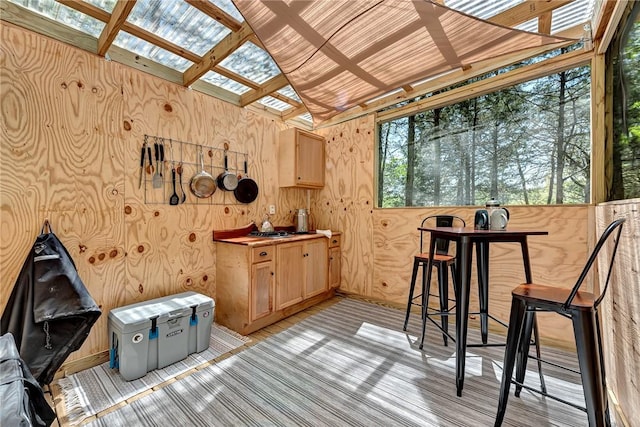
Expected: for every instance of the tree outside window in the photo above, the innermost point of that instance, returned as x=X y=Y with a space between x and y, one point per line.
x=528 y=144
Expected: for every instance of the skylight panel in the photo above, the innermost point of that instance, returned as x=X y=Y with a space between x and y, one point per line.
x=251 y=62
x=65 y=15
x=106 y=5
x=228 y=7
x=272 y=102
x=225 y=83
x=481 y=8
x=179 y=23
x=289 y=93
x=151 y=51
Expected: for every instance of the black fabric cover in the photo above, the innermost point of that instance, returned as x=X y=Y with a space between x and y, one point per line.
x=50 y=311
x=23 y=402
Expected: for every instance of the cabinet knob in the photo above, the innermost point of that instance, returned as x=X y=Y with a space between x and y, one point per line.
x=272 y=273
x=299 y=178
x=330 y=258
x=263 y=253
x=334 y=241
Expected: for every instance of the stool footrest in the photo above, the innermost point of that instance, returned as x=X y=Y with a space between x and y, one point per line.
x=545 y=394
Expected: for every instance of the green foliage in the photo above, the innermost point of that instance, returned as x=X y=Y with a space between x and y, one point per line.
x=515 y=144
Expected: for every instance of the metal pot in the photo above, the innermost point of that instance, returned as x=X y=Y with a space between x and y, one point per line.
x=227 y=181
x=202 y=184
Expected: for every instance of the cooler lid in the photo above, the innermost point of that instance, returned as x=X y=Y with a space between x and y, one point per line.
x=139 y=315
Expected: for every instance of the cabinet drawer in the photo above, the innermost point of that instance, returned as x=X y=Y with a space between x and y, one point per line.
x=334 y=241
x=262 y=253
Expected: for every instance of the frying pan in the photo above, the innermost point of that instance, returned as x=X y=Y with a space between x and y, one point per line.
x=247 y=189
x=202 y=184
x=226 y=180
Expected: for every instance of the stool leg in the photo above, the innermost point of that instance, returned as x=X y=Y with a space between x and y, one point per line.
x=426 y=288
x=443 y=285
x=482 y=261
x=453 y=279
x=584 y=329
x=536 y=337
x=412 y=286
x=516 y=321
x=602 y=366
x=523 y=350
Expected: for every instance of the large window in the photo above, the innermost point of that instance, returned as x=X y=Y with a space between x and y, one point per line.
x=528 y=144
x=626 y=108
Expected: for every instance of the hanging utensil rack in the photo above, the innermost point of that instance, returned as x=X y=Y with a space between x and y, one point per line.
x=184 y=153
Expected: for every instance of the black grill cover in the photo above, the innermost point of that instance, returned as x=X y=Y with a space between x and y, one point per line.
x=50 y=311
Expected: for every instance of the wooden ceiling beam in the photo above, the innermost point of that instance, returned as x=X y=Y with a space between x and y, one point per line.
x=271 y=85
x=236 y=77
x=87 y=9
x=293 y=112
x=118 y=18
x=134 y=30
x=217 y=54
x=216 y=13
x=544 y=23
x=526 y=11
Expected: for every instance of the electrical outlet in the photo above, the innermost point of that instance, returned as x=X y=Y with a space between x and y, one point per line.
x=272 y=209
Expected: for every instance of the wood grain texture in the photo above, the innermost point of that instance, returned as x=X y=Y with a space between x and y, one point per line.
x=621 y=307
x=72 y=128
x=346 y=202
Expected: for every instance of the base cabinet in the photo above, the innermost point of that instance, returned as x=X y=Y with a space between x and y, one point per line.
x=335 y=262
x=257 y=285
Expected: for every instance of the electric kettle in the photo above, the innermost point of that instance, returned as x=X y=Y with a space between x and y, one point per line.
x=498 y=216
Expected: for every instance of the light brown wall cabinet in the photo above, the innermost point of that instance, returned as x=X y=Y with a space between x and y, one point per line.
x=301 y=159
x=257 y=285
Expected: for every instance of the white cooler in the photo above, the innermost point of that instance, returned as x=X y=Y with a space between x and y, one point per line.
x=156 y=333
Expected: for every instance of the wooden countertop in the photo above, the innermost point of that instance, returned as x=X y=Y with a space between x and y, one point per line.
x=264 y=241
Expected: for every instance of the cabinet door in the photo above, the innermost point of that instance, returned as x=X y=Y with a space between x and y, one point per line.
x=310 y=161
x=316 y=267
x=334 y=267
x=262 y=281
x=289 y=274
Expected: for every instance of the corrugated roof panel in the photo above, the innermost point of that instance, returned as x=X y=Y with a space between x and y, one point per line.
x=179 y=23
x=65 y=15
x=107 y=5
x=251 y=62
x=272 y=102
x=481 y=8
x=289 y=92
x=225 y=83
x=227 y=6
x=151 y=51
x=574 y=13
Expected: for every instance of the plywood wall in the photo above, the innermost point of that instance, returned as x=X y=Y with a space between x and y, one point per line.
x=72 y=127
x=378 y=245
x=621 y=307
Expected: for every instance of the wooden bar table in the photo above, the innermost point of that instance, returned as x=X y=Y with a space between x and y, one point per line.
x=465 y=238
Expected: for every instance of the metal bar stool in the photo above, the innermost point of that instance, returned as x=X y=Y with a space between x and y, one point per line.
x=441 y=261
x=582 y=308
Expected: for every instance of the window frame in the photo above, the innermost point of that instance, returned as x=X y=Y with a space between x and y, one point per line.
x=557 y=64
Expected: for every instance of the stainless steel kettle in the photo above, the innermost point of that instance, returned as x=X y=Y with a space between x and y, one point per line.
x=301 y=220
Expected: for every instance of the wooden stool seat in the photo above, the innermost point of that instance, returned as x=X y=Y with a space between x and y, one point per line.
x=549 y=296
x=582 y=308
x=444 y=259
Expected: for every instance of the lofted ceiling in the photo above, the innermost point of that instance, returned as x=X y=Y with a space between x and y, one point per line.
x=207 y=44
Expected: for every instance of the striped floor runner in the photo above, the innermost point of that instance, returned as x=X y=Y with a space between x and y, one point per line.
x=91 y=391
x=350 y=365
